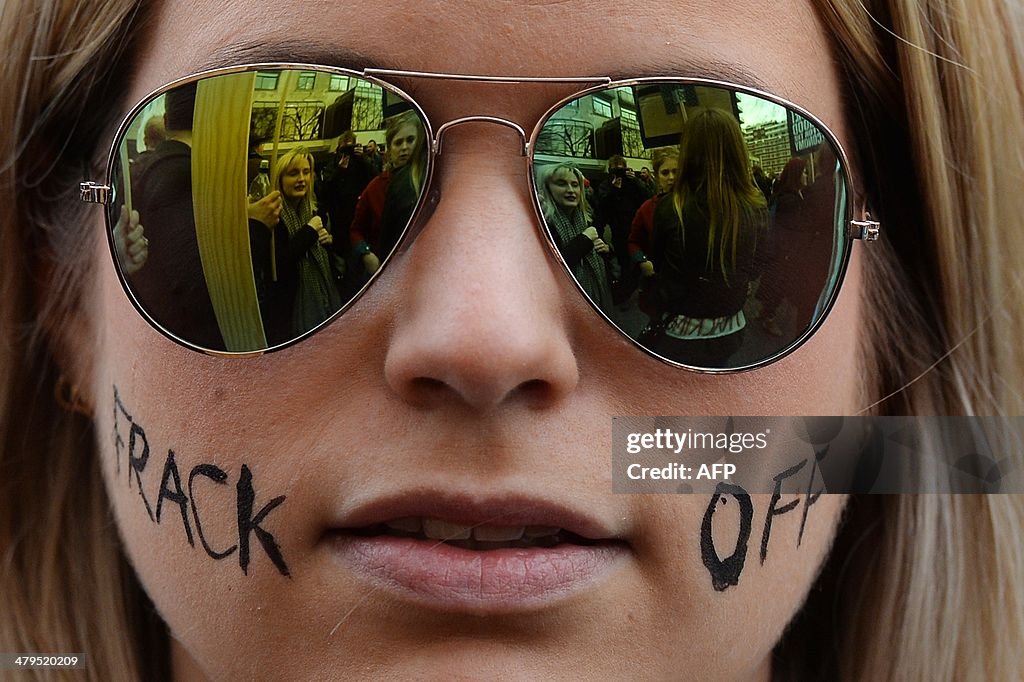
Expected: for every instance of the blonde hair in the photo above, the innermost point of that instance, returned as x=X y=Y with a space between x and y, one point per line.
x=65 y=584
x=917 y=587
x=929 y=587
x=284 y=162
x=715 y=166
x=547 y=202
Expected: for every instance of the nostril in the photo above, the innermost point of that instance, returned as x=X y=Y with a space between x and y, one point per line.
x=426 y=390
x=536 y=392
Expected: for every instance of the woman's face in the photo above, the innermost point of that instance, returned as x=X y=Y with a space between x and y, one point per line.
x=295 y=180
x=402 y=145
x=472 y=385
x=667 y=174
x=564 y=187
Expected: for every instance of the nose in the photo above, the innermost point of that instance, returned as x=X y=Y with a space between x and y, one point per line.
x=483 y=322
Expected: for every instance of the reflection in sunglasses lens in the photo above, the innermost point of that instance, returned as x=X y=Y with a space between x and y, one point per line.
x=266 y=200
x=704 y=222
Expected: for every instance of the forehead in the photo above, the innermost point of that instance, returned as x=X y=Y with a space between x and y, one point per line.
x=779 y=46
x=406 y=130
x=564 y=174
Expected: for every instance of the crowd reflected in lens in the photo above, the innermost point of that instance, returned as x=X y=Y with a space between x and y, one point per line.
x=249 y=208
x=704 y=222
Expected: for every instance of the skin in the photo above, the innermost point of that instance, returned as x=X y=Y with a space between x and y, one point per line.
x=492 y=377
x=296 y=179
x=565 y=189
x=402 y=145
x=667 y=174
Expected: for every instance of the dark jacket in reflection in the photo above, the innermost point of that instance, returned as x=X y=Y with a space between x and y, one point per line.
x=171 y=286
x=692 y=282
x=399 y=204
x=616 y=207
x=804 y=229
x=337 y=194
x=277 y=298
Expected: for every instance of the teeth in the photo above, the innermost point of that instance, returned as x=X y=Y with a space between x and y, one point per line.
x=498 y=533
x=437 y=529
x=409 y=524
x=442 y=530
x=540 y=531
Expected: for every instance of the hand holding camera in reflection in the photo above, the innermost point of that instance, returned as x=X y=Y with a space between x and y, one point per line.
x=267 y=210
x=347 y=151
x=130 y=242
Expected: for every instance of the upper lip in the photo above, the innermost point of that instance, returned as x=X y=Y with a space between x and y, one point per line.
x=502 y=510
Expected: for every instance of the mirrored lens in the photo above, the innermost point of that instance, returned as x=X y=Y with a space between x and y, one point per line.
x=705 y=222
x=265 y=200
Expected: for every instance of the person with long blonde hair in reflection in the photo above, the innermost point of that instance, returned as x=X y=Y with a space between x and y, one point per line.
x=568 y=215
x=309 y=242
x=710 y=237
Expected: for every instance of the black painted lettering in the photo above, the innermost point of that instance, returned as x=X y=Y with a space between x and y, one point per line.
x=726 y=572
x=247 y=523
x=810 y=498
x=137 y=462
x=118 y=439
x=775 y=510
x=176 y=496
x=217 y=475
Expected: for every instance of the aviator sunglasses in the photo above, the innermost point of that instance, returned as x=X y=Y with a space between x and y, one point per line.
x=710 y=223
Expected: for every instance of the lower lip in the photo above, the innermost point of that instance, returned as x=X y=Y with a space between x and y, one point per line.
x=451 y=578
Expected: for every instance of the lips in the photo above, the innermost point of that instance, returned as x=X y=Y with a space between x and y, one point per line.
x=461 y=554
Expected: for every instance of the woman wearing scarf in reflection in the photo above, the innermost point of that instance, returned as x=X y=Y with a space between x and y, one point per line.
x=568 y=216
x=308 y=264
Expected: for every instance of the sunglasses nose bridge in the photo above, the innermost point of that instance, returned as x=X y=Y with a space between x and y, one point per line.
x=448 y=125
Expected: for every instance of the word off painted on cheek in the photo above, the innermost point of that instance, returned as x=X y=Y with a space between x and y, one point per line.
x=137 y=453
x=725 y=572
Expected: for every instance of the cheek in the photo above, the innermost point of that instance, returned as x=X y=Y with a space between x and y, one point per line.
x=204 y=475
x=727 y=576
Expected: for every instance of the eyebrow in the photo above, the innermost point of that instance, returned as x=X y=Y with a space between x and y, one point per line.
x=293 y=51
x=685 y=67
x=312 y=53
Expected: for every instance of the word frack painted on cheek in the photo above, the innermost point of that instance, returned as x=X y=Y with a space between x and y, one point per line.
x=136 y=452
